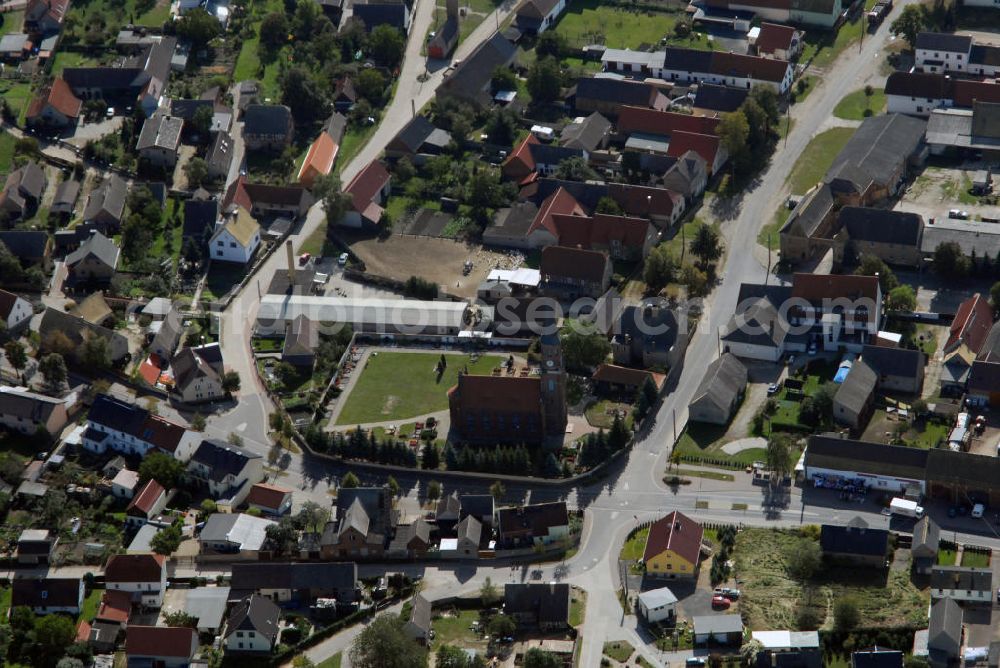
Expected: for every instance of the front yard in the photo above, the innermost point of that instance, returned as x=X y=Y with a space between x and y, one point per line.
x=816 y=159
x=589 y=22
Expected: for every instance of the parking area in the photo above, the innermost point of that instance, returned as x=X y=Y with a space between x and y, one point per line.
x=938 y=190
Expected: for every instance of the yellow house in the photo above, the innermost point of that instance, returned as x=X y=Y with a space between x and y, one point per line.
x=673 y=547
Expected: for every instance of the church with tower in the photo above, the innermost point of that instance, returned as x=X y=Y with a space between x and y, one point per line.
x=512 y=406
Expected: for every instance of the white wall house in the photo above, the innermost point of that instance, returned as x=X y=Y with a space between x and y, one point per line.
x=237 y=239
x=657 y=605
x=14 y=311
x=144 y=576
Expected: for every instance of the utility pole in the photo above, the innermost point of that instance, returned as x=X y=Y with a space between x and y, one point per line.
x=674 y=424
x=767 y=276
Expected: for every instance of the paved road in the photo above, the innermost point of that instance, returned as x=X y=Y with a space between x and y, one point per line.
x=633 y=491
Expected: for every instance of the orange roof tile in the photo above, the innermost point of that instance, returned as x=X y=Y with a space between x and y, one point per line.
x=319 y=160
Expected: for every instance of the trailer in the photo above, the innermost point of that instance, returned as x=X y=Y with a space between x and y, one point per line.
x=878 y=13
x=906 y=508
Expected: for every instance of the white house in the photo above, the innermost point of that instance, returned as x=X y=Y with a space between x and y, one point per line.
x=118 y=426
x=942 y=52
x=144 y=576
x=234 y=534
x=253 y=626
x=226 y=472
x=237 y=239
x=15 y=312
x=657 y=604
x=962 y=584
x=160 y=646
x=536 y=16
x=124 y=484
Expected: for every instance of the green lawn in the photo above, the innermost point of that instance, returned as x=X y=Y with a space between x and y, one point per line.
x=710 y=475
x=589 y=22
x=375 y=397
x=577 y=607
x=221 y=279
x=90 y=605
x=634 y=547
x=64 y=59
x=156 y=16
x=946 y=556
x=619 y=650
x=597 y=413
x=12 y=21
x=7 y=142
x=826 y=46
x=929 y=437
x=454 y=629
x=857 y=106
x=248 y=62
x=817 y=158
x=17 y=95
x=802 y=90
x=975 y=559
x=769 y=232
x=354 y=140
x=5 y=596
x=332 y=662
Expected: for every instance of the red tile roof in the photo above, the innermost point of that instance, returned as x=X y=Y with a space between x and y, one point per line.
x=366 y=185
x=972 y=324
x=161 y=641
x=676 y=532
x=267 y=496
x=558 y=203
x=755 y=67
x=651 y=121
x=319 y=160
x=774 y=37
x=162 y=433
x=707 y=146
x=116 y=607
x=60 y=96
x=134 y=568
x=817 y=287
x=578 y=263
x=512 y=394
x=965 y=92
x=601 y=230
x=520 y=159
x=147 y=498
x=644 y=201
x=83 y=632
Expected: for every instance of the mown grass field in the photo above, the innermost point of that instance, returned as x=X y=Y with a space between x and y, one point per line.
x=817 y=158
x=396 y=385
x=853 y=106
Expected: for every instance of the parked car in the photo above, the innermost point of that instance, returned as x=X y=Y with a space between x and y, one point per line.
x=812 y=348
x=958 y=214
x=342 y=260
x=721 y=602
x=731 y=594
x=772 y=389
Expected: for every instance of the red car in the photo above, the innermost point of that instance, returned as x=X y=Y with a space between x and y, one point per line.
x=721 y=602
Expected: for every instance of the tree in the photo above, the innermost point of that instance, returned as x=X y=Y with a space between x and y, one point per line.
x=609 y=206
x=336 y=203
x=950 y=261
x=488 y=593
x=384 y=643
x=17 y=357
x=575 y=169
x=167 y=540
x=199 y=27
x=303 y=94
x=902 y=298
x=302 y=661
x=804 y=558
x=371 y=85
x=273 y=32
x=994 y=299
x=386 y=45
x=430 y=458
x=235 y=439
x=502 y=626
x=162 y=468
x=202 y=122
x=497 y=490
x=504 y=78
x=196 y=171
x=53 y=634
x=198 y=422
x=95 y=353
x=231 y=382
x=706 y=245
x=208 y=507
x=583 y=350
x=660 y=268
x=749 y=651
x=539 y=658
x=910 y=23
x=545 y=80
x=734 y=130
x=550 y=44
x=137 y=238
x=501 y=125
x=779 y=456
x=846 y=614
x=282 y=536
x=312 y=516
x=872 y=265
x=53 y=370
x=433 y=490
x=768 y=101
x=350 y=481
x=69 y=662
x=393 y=486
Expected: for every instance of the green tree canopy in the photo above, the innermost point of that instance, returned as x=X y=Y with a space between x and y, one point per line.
x=583 y=349
x=384 y=643
x=162 y=468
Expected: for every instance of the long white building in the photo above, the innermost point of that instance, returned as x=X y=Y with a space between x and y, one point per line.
x=389 y=316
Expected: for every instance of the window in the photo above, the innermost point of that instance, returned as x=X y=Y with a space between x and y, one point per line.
x=232 y=244
x=220 y=243
x=219 y=253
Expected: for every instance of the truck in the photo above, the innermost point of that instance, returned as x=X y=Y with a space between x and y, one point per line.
x=878 y=13
x=906 y=508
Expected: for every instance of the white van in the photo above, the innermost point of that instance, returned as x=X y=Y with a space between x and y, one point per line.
x=978 y=510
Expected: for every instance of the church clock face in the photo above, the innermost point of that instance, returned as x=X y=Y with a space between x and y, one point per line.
x=548 y=363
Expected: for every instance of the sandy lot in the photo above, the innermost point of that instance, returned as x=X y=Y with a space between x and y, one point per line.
x=433 y=259
x=939 y=189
